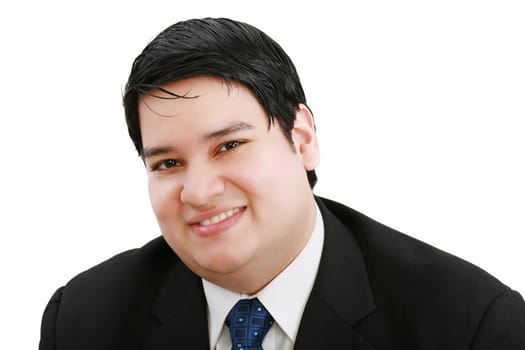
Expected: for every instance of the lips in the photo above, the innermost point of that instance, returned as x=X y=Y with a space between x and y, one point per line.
x=216 y=222
x=220 y=217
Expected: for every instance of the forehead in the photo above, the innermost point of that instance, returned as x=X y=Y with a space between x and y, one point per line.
x=197 y=96
x=190 y=108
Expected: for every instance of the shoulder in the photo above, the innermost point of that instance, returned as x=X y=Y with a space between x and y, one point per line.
x=109 y=303
x=423 y=293
x=122 y=286
x=126 y=270
x=403 y=266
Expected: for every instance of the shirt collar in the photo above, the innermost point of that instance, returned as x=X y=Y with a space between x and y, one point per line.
x=284 y=297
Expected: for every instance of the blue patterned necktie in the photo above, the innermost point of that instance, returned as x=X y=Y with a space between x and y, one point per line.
x=249 y=322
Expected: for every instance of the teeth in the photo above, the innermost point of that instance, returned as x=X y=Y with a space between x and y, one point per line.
x=218 y=218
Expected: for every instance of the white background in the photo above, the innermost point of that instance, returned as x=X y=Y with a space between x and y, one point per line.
x=419 y=108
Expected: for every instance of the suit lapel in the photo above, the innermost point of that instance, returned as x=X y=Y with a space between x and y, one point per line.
x=181 y=310
x=341 y=294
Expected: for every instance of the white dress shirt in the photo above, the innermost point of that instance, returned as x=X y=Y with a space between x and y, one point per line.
x=284 y=297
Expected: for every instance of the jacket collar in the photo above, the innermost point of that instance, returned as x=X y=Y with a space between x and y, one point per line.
x=341 y=295
x=180 y=309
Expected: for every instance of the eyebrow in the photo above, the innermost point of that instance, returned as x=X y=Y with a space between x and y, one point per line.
x=155 y=151
x=230 y=129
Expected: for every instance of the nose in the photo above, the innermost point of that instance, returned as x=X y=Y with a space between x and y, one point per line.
x=201 y=184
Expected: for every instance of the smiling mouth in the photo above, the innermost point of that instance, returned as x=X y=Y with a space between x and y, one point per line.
x=220 y=217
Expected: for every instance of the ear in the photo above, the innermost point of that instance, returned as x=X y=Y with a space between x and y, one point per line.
x=305 y=138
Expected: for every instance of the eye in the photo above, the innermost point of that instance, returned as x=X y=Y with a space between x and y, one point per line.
x=229 y=145
x=166 y=164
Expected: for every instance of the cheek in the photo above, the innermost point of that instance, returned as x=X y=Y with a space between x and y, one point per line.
x=269 y=178
x=272 y=168
x=163 y=196
x=250 y=173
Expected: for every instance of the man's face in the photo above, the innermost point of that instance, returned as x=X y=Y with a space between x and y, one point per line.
x=230 y=194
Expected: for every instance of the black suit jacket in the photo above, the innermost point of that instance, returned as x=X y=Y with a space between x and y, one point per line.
x=376 y=289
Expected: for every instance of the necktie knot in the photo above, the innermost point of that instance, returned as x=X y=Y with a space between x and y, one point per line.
x=249 y=322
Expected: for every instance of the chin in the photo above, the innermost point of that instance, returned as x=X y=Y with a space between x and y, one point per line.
x=221 y=264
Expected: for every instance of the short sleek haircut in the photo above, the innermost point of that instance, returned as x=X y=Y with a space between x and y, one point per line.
x=219 y=47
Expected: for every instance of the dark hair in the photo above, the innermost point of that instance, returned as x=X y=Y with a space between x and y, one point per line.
x=223 y=48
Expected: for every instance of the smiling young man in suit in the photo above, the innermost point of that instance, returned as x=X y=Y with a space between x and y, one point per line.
x=217 y=112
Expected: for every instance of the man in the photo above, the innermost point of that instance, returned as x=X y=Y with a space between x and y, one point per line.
x=217 y=113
